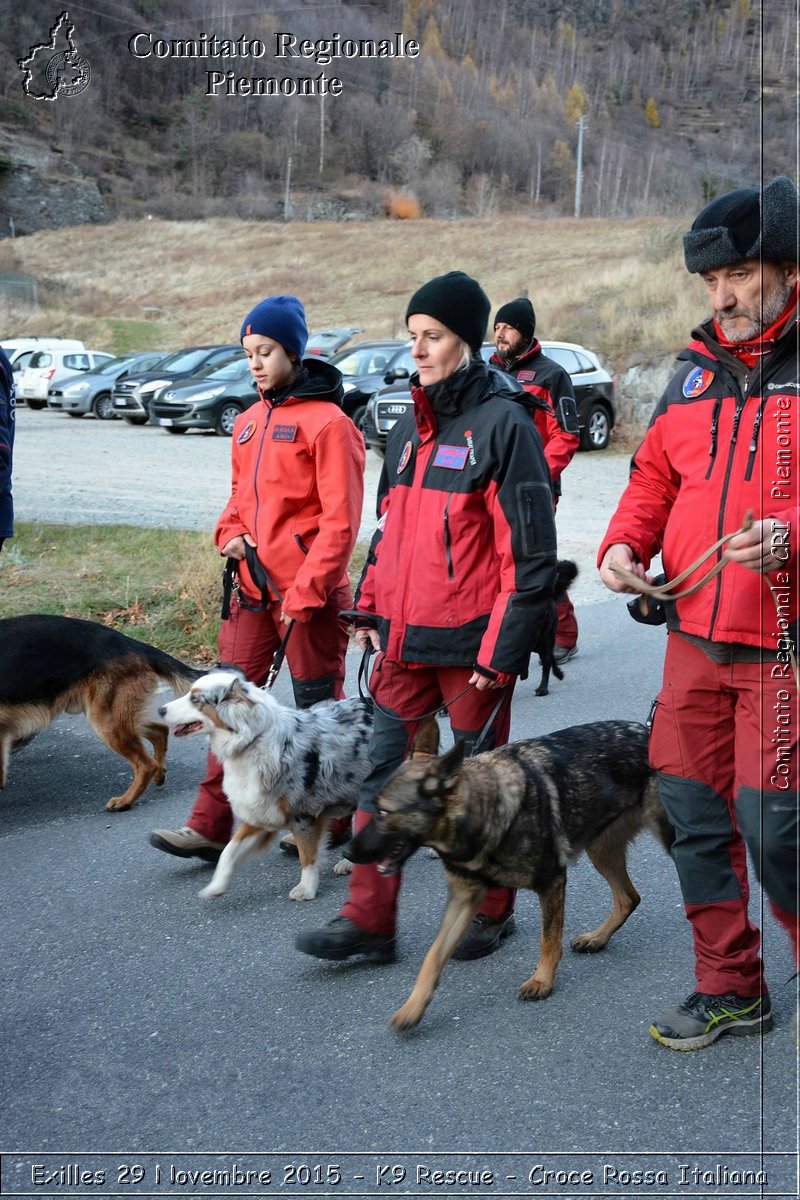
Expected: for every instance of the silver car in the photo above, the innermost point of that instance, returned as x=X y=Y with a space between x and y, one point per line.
x=82 y=394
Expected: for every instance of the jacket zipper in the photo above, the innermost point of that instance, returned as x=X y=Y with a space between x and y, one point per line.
x=737 y=416
x=448 y=550
x=258 y=460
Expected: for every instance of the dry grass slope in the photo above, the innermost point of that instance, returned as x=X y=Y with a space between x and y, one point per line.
x=618 y=286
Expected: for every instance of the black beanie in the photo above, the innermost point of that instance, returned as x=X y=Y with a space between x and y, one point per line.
x=519 y=315
x=744 y=224
x=458 y=301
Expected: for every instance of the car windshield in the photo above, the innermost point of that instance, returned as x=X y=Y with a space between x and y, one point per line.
x=233 y=368
x=371 y=360
x=113 y=365
x=183 y=360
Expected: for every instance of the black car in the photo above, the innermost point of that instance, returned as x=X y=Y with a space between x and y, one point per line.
x=212 y=400
x=133 y=395
x=593 y=386
x=368 y=366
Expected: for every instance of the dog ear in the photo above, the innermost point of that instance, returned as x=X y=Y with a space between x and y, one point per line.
x=426 y=739
x=444 y=772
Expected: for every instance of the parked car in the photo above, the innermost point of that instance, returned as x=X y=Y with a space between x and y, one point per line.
x=593 y=386
x=92 y=393
x=20 y=350
x=133 y=395
x=327 y=341
x=212 y=400
x=368 y=366
x=34 y=380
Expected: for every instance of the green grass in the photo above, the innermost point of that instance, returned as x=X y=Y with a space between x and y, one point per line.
x=161 y=586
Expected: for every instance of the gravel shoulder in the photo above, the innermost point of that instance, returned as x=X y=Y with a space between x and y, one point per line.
x=85 y=472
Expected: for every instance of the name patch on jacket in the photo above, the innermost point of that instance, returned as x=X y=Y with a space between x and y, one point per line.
x=284 y=433
x=696 y=382
x=526 y=376
x=452 y=457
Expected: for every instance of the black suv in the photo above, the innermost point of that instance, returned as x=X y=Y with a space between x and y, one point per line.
x=132 y=395
x=369 y=366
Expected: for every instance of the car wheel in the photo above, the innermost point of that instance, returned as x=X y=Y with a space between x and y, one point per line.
x=36 y=405
x=226 y=418
x=596 y=428
x=136 y=420
x=176 y=428
x=103 y=407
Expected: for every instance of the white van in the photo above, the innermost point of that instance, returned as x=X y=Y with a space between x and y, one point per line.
x=19 y=350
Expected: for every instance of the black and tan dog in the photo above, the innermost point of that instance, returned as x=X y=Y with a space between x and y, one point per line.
x=53 y=665
x=515 y=817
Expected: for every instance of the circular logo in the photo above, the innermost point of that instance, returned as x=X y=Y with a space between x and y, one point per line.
x=68 y=74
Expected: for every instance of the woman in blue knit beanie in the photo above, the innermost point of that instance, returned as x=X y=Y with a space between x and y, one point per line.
x=290 y=526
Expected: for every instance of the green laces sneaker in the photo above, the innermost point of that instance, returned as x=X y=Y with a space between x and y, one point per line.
x=702 y=1018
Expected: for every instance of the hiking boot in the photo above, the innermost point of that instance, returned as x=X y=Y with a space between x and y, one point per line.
x=562 y=654
x=484 y=936
x=341 y=939
x=186 y=843
x=702 y=1018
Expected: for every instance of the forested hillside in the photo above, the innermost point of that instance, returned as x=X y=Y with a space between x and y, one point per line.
x=676 y=101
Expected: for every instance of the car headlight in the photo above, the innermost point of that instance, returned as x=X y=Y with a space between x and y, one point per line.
x=147 y=388
x=348 y=387
x=75 y=389
x=209 y=394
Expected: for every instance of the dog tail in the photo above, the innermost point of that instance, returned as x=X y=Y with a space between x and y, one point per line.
x=567 y=573
x=655 y=817
x=179 y=675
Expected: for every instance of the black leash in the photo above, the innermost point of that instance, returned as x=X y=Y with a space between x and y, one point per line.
x=366 y=694
x=278 y=657
x=269 y=595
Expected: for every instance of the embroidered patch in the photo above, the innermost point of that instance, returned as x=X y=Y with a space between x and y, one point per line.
x=405 y=458
x=452 y=457
x=284 y=433
x=526 y=376
x=246 y=433
x=697 y=382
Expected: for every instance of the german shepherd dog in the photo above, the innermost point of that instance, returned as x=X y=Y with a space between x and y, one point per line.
x=281 y=766
x=515 y=817
x=53 y=665
x=566 y=574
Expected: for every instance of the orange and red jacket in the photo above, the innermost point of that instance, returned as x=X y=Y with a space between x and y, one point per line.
x=722 y=440
x=461 y=571
x=552 y=405
x=297 y=488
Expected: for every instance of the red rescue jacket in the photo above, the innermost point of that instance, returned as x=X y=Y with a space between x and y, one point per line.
x=297 y=465
x=722 y=440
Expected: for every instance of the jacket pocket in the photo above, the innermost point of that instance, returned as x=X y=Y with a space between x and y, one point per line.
x=535 y=515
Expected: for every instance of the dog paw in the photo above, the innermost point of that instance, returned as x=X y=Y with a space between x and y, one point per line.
x=534 y=989
x=211 y=892
x=540 y=691
x=119 y=804
x=407 y=1017
x=588 y=943
x=432 y=853
x=342 y=867
x=302 y=892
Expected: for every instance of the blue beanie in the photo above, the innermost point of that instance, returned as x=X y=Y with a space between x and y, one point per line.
x=281 y=318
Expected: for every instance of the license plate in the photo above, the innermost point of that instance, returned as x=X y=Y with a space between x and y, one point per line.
x=166 y=421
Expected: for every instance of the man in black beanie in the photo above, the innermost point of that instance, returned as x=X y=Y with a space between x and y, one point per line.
x=552 y=405
x=721 y=457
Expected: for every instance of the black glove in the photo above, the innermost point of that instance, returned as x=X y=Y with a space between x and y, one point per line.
x=646 y=610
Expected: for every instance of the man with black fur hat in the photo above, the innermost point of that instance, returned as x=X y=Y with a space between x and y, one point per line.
x=552 y=402
x=722 y=444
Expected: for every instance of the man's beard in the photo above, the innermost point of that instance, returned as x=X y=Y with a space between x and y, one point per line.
x=772 y=305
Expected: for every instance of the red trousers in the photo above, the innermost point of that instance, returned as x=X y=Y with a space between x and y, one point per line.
x=408 y=692
x=725 y=745
x=315 y=654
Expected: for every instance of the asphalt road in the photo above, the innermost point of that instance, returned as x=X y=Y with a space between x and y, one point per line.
x=179 y=1036
x=149 y=1036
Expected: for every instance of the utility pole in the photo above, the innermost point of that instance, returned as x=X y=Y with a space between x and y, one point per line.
x=287 y=204
x=581 y=123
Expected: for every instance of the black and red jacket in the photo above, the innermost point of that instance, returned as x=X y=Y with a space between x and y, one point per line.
x=723 y=439
x=462 y=568
x=552 y=405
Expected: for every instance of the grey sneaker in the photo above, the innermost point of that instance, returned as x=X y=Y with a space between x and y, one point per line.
x=186 y=843
x=702 y=1018
x=562 y=654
